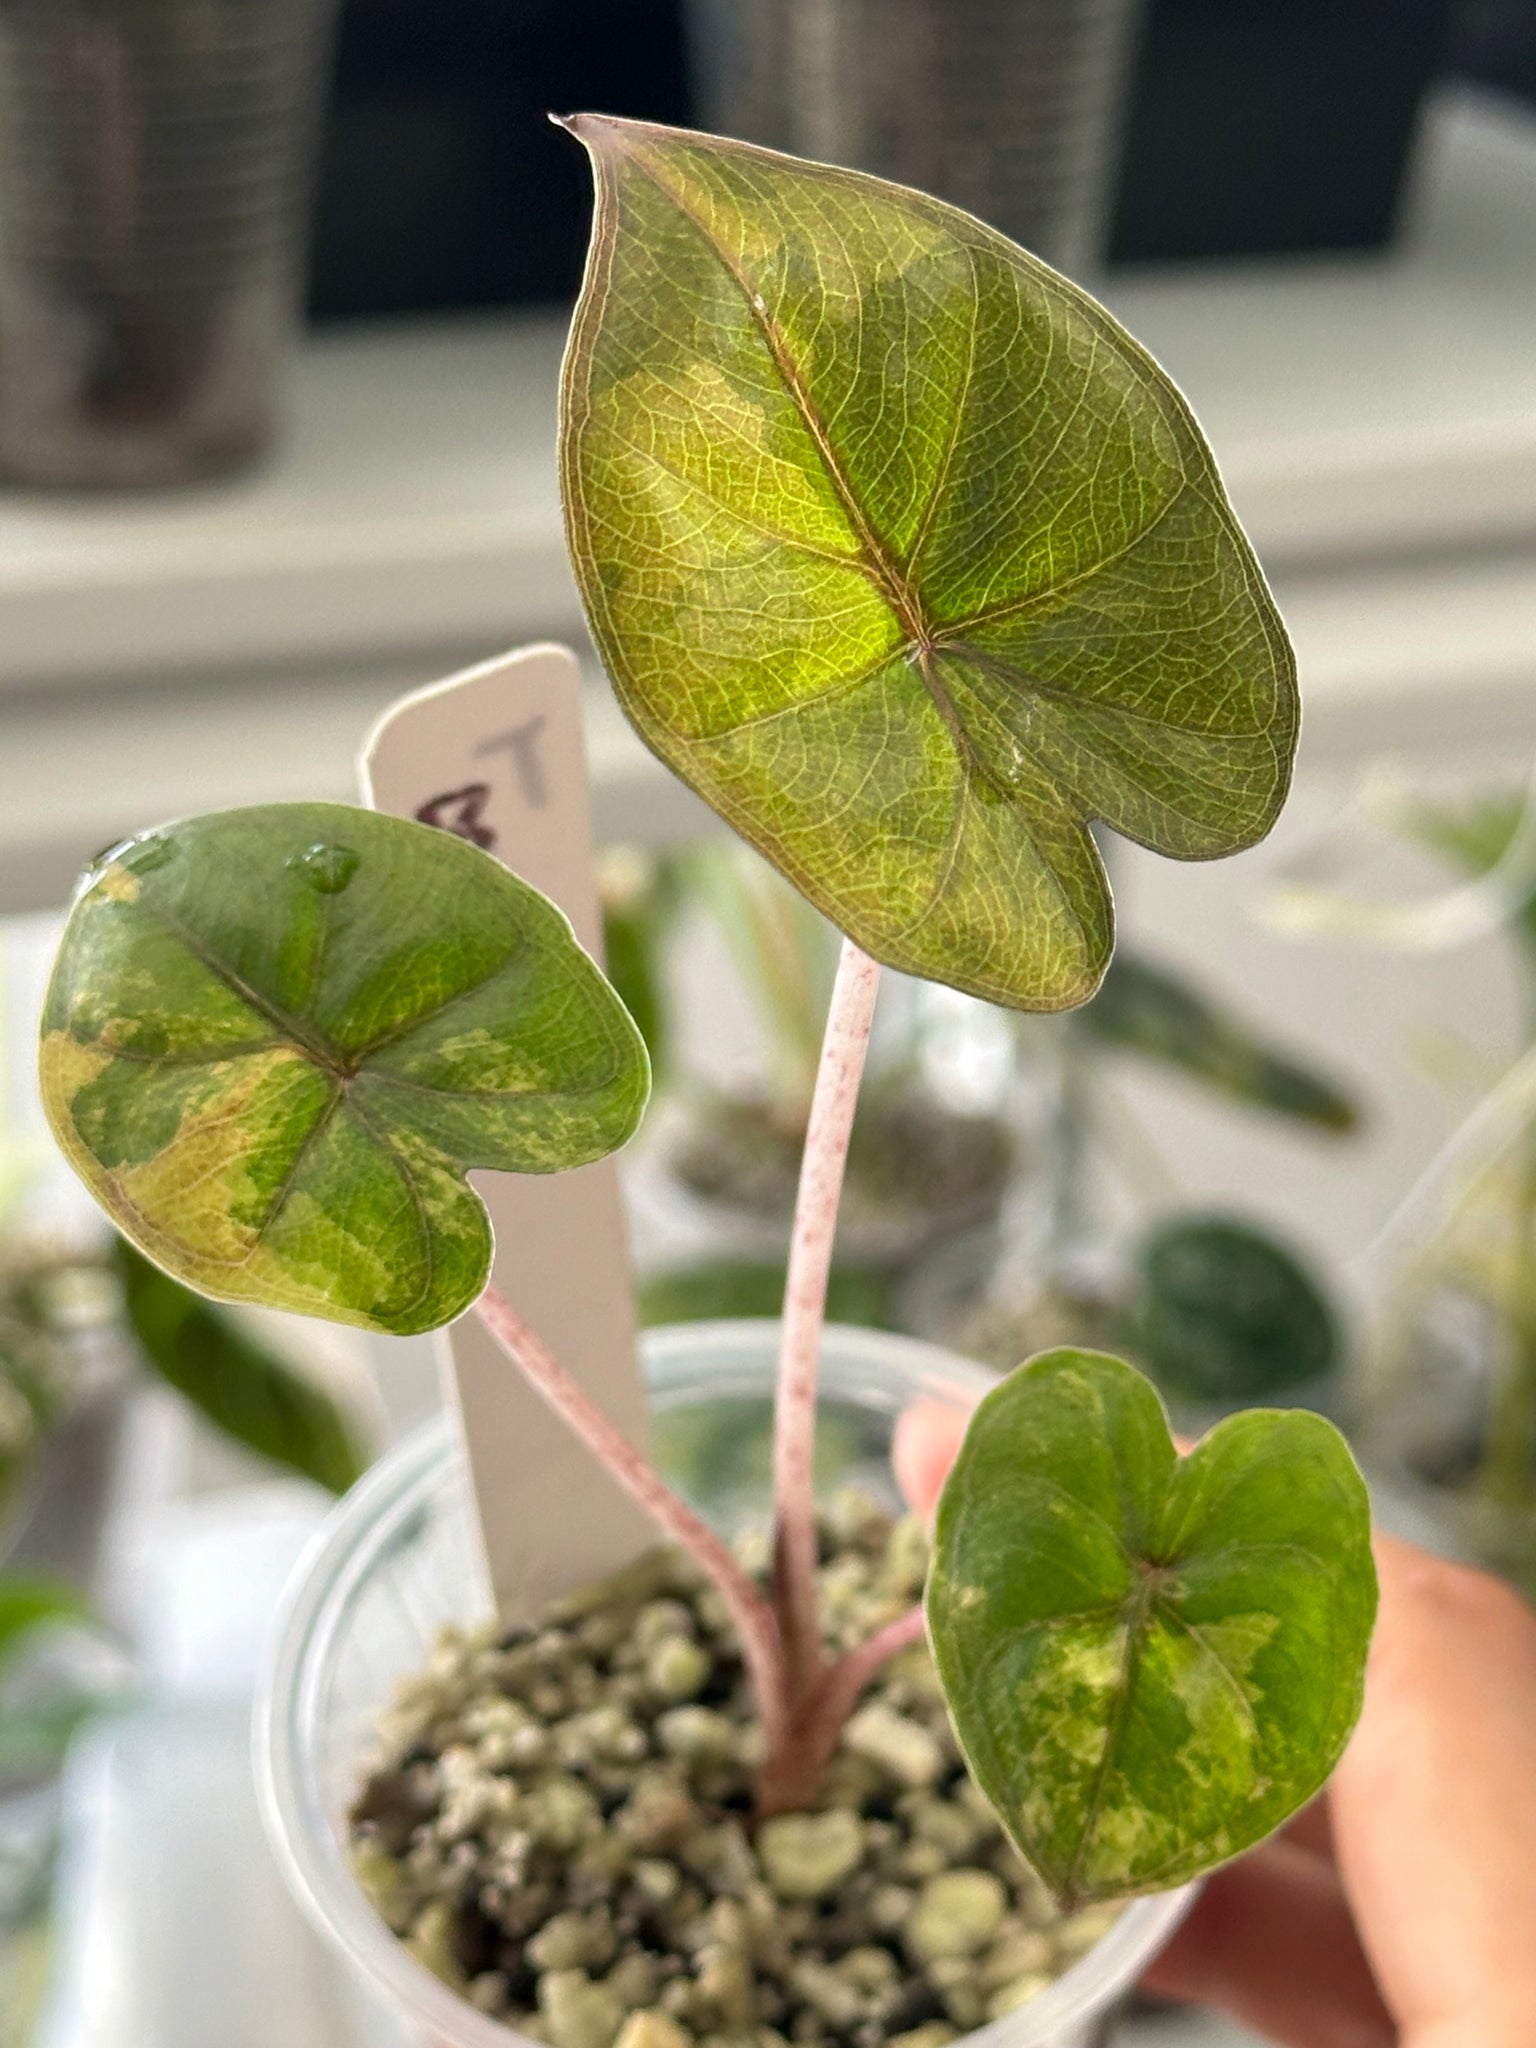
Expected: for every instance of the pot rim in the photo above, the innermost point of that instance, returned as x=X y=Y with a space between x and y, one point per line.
x=378 y=1511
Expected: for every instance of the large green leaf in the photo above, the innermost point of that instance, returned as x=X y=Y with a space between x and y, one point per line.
x=907 y=558
x=240 y=1386
x=275 y=1040
x=1151 y=1661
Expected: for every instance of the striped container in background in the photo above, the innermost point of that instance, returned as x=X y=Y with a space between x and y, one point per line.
x=1009 y=108
x=155 y=167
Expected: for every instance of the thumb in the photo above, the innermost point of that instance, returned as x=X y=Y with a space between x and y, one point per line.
x=1434 y=1800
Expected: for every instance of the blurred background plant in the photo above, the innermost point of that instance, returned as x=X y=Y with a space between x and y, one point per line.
x=975 y=1211
x=1448 y=1407
x=714 y=1183
x=1106 y=1249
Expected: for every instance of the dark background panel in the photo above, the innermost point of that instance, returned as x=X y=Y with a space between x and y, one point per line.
x=1252 y=127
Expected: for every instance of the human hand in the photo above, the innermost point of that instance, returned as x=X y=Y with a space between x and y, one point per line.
x=1398 y=1911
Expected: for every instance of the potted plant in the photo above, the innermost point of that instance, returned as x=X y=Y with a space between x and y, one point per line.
x=909 y=560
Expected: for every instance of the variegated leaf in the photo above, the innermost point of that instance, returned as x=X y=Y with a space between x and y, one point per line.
x=1151 y=1661
x=276 y=1039
x=907 y=557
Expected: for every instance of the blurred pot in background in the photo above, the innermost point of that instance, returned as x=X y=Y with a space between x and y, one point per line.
x=1009 y=108
x=155 y=161
x=85 y=1326
x=65 y=1366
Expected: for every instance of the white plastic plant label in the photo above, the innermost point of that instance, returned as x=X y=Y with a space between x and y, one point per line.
x=497 y=756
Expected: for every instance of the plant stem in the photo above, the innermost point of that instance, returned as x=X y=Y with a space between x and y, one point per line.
x=761 y=1643
x=792 y=1775
x=802 y=1701
x=847 y=1678
x=805 y=1297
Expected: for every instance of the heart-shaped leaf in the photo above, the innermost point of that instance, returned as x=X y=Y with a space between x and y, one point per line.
x=275 y=1040
x=904 y=555
x=1151 y=1661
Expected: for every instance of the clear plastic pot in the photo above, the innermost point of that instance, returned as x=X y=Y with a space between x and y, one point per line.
x=398 y=1559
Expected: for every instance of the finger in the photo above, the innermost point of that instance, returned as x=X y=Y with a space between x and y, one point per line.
x=1270 y=1943
x=1433 y=1801
x=923 y=1448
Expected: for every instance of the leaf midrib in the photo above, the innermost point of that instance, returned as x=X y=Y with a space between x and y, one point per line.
x=882 y=565
x=892 y=573
x=1135 y=1614
x=342 y=1067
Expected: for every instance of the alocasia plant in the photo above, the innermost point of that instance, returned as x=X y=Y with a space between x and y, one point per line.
x=910 y=561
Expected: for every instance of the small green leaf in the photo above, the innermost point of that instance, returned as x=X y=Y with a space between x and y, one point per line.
x=1151 y=1661
x=276 y=1039
x=1475 y=837
x=35 y=1737
x=907 y=558
x=1160 y=1016
x=241 y=1388
x=1223 y=1313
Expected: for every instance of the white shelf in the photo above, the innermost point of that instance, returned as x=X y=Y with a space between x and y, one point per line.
x=1376 y=420
x=1365 y=406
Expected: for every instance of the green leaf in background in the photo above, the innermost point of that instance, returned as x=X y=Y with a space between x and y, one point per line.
x=1475 y=837
x=276 y=1039
x=241 y=1388
x=1151 y=1661
x=641 y=895
x=1222 y=1312
x=907 y=558
x=29 y=1601
x=1161 y=1016
x=35 y=1738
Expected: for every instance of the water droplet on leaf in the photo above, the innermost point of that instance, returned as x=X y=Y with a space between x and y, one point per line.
x=327 y=869
x=143 y=856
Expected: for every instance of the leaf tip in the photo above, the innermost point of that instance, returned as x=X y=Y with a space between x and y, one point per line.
x=599 y=134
